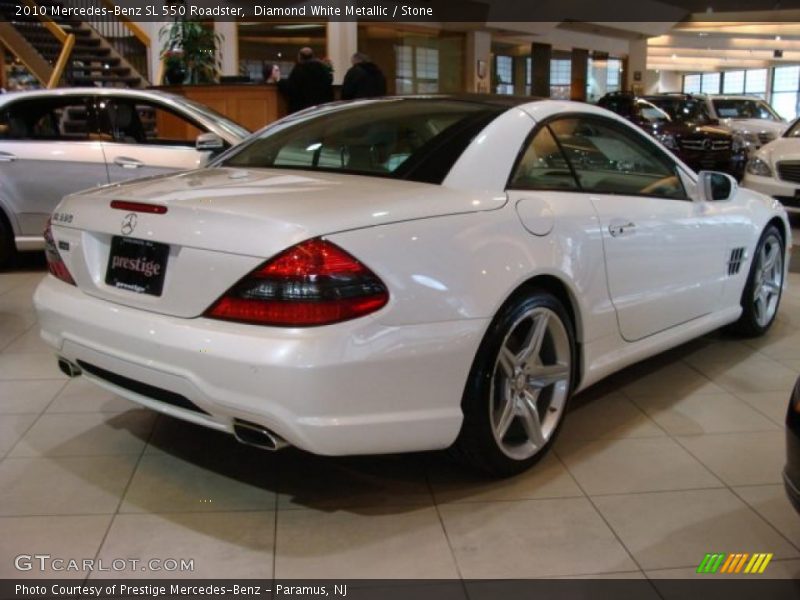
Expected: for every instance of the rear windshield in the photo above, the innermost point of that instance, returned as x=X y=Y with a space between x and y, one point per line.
x=744 y=108
x=410 y=139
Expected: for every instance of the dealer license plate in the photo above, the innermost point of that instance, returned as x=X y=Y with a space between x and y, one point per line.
x=137 y=265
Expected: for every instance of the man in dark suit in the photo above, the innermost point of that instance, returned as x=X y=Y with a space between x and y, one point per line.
x=364 y=79
x=310 y=82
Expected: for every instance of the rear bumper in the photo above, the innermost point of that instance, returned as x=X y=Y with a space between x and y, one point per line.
x=783 y=191
x=352 y=388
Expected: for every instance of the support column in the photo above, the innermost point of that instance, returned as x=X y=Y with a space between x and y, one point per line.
x=520 y=71
x=540 y=69
x=478 y=75
x=580 y=60
x=229 y=46
x=637 y=65
x=342 y=43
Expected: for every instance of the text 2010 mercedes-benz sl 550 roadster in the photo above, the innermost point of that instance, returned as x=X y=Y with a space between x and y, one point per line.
x=406 y=274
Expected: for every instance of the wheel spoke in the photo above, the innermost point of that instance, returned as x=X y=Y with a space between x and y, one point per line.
x=535 y=338
x=543 y=376
x=760 y=307
x=530 y=419
x=507 y=361
x=772 y=287
x=770 y=257
x=507 y=415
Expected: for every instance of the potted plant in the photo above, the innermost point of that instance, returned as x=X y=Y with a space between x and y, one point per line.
x=199 y=45
x=174 y=66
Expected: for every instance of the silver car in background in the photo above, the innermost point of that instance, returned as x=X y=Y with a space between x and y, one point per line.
x=55 y=142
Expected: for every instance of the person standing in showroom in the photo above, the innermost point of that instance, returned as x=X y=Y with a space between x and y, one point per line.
x=310 y=82
x=363 y=80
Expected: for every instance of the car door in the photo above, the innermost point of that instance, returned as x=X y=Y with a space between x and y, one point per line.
x=665 y=254
x=146 y=137
x=48 y=149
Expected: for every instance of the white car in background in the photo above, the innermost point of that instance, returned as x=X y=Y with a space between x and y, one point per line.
x=55 y=142
x=406 y=274
x=748 y=116
x=775 y=169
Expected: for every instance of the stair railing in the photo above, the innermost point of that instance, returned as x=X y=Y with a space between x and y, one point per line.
x=67 y=41
x=128 y=38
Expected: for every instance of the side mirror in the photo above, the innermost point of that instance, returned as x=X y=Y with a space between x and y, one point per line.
x=714 y=186
x=209 y=142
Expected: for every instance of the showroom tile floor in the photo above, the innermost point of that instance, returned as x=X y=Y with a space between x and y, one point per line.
x=670 y=459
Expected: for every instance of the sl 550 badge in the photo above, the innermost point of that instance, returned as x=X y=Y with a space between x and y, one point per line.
x=61 y=217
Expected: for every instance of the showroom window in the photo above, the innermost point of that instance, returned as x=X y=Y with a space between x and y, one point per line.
x=710 y=83
x=504 y=71
x=560 y=78
x=604 y=75
x=733 y=82
x=543 y=166
x=755 y=83
x=415 y=62
x=610 y=159
x=785 y=86
x=691 y=83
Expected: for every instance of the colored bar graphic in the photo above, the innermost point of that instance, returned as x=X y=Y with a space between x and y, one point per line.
x=720 y=562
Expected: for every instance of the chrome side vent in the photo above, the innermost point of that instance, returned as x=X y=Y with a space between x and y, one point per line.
x=735 y=261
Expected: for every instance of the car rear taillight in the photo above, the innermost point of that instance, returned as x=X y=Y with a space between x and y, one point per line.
x=55 y=264
x=312 y=283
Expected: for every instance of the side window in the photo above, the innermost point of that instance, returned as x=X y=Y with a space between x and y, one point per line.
x=131 y=121
x=608 y=159
x=543 y=166
x=49 y=119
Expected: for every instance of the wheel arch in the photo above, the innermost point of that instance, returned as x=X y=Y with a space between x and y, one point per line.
x=564 y=293
x=780 y=225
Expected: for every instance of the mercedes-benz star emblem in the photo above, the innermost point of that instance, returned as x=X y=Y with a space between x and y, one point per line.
x=707 y=144
x=129 y=223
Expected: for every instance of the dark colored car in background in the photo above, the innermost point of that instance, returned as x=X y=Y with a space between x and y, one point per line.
x=791 y=474
x=684 y=126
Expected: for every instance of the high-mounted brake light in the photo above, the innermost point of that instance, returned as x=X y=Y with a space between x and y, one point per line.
x=55 y=264
x=142 y=207
x=312 y=283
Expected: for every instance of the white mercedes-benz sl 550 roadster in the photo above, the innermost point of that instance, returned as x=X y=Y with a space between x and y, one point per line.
x=405 y=274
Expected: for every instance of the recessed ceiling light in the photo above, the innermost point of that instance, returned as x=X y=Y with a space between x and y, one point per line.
x=777 y=38
x=674 y=56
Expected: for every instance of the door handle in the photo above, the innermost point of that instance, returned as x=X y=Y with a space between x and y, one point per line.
x=619 y=227
x=128 y=163
x=7 y=157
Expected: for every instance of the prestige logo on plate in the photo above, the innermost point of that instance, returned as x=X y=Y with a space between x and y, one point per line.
x=148 y=268
x=741 y=562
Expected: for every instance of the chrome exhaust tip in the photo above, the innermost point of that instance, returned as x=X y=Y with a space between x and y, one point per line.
x=252 y=434
x=69 y=369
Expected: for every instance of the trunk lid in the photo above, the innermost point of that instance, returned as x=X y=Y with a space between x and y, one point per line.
x=221 y=223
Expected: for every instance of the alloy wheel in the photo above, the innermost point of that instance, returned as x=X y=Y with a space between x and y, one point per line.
x=530 y=383
x=768 y=280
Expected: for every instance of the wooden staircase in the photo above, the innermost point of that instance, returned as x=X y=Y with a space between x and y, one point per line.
x=64 y=51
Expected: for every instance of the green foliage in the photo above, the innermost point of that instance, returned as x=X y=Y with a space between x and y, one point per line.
x=196 y=46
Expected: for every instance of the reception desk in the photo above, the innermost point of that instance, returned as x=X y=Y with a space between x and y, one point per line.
x=250 y=105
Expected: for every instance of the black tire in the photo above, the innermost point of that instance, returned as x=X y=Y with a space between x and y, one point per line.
x=476 y=444
x=749 y=324
x=7 y=249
